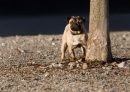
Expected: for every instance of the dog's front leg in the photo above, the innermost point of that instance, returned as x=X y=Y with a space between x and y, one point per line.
x=63 y=49
x=71 y=51
x=83 y=50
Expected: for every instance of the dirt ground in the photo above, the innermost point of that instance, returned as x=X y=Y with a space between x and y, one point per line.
x=32 y=64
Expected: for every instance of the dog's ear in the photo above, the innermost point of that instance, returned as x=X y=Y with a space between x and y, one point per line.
x=68 y=19
x=83 y=19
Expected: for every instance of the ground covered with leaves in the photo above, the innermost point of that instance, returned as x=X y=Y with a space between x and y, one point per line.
x=32 y=64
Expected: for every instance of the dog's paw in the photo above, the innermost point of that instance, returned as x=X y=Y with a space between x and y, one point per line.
x=63 y=59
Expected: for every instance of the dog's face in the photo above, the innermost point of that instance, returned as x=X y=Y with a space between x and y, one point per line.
x=76 y=23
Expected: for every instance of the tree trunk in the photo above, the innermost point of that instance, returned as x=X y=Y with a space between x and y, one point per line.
x=98 y=46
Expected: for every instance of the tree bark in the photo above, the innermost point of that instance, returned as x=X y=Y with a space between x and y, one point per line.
x=98 y=45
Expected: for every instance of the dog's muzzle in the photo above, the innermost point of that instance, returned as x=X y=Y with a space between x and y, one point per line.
x=75 y=27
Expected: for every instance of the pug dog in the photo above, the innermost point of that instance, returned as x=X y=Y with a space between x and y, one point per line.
x=74 y=36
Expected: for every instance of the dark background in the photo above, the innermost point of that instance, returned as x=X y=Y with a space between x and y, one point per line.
x=33 y=17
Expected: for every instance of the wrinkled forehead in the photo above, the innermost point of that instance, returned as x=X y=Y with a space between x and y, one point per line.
x=76 y=19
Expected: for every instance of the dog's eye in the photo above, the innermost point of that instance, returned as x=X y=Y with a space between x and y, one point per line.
x=79 y=22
